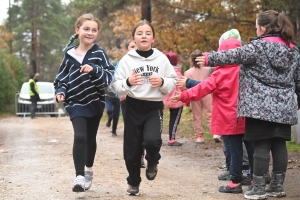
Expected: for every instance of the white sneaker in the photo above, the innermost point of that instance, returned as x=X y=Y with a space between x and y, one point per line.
x=217 y=138
x=78 y=184
x=88 y=179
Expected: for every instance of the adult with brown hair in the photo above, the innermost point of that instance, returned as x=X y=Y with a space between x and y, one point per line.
x=269 y=78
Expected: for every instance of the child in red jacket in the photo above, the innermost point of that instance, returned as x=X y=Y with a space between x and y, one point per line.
x=223 y=84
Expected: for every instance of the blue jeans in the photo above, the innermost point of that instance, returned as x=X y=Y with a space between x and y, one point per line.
x=236 y=150
x=113 y=111
x=226 y=151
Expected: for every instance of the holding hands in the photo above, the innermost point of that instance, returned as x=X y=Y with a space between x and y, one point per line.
x=201 y=61
x=135 y=79
x=175 y=98
x=181 y=82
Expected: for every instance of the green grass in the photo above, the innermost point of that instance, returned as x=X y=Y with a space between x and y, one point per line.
x=292 y=146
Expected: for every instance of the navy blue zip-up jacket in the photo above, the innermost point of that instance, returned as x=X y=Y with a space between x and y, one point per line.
x=84 y=93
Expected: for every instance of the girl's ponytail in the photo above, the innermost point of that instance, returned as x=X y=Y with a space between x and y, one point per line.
x=72 y=38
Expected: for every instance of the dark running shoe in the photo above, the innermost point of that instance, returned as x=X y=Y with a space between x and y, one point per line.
x=231 y=188
x=174 y=143
x=225 y=176
x=142 y=162
x=133 y=190
x=222 y=167
x=247 y=178
x=151 y=171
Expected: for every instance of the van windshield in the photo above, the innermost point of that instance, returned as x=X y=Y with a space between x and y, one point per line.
x=43 y=88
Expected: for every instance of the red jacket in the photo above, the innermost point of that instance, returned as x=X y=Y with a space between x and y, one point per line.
x=223 y=84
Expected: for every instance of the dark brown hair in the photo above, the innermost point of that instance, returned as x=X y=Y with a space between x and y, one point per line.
x=194 y=55
x=276 y=23
x=141 y=23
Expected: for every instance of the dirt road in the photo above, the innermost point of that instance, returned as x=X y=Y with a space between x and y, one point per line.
x=36 y=163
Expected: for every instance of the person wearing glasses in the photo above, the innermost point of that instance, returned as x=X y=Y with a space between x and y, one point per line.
x=79 y=84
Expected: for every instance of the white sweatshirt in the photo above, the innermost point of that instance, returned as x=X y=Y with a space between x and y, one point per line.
x=155 y=65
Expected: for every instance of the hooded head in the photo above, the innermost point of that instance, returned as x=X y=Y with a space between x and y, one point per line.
x=173 y=58
x=233 y=33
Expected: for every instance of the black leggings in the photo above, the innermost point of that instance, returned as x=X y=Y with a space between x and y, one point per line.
x=261 y=156
x=84 y=146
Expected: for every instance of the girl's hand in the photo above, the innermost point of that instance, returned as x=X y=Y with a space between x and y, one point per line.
x=122 y=97
x=60 y=98
x=155 y=81
x=175 y=98
x=181 y=82
x=201 y=61
x=86 y=68
x=135 y=79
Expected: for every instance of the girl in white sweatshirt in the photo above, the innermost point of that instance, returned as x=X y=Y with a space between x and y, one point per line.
x=145 y=76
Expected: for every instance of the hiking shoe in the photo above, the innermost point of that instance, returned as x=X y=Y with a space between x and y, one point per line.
x=113 y=134
x=217 y=138
x=133 y=190
x=142 y=163
x=222 y=167
x=88 y=176
x=78 y=184
x=247 y=178
x=174 y=143
x=225 y=176
x=231 y=188
x=151 y=171
x=200 y=140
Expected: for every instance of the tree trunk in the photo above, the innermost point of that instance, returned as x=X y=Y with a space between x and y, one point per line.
x=10 y=31
x=146 y=10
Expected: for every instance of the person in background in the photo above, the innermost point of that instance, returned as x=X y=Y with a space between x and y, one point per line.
x=79 y=84
x=174 y=108
x=269 y=79
x=112 y=104
x=223 y=84
x=204 y=105
x=33 y=93
x=145 y=76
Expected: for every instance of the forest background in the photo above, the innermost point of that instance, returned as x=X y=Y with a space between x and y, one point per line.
x=35 y=32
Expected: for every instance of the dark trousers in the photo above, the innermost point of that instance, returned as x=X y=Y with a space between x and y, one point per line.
x=262 y=149
x=33 y=106
x=143 y=127
x=236 y=161
x=85 y=145
x=226 y=151
x=175 y=115
x=122 y=103
x=113 y=111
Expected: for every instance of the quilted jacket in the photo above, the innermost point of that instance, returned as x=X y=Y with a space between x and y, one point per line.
x=269 y=78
